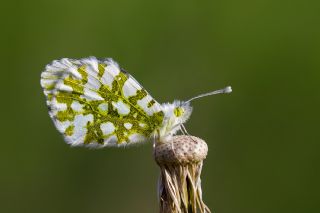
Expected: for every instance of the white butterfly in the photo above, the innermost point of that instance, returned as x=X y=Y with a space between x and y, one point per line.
x=96 y=103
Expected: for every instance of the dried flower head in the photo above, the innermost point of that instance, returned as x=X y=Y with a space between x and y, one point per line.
x=179 y=187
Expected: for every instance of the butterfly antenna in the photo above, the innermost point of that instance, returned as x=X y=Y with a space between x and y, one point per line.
x=220 y=91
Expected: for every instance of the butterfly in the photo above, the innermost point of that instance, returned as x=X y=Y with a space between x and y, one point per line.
x=95 y=103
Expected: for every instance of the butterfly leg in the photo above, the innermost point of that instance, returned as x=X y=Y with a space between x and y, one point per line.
x=184 y=130
x=154 y=141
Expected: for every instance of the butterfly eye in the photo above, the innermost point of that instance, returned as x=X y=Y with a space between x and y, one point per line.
x=178 y=111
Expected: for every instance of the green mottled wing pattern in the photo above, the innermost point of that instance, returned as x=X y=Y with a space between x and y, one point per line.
x=94 y=103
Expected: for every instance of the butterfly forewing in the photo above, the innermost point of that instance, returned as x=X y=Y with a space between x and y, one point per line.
x=93 y=102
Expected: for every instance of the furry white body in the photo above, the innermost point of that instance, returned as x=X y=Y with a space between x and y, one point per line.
x=172 y=123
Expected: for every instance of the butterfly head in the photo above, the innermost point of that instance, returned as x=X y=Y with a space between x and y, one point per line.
x=177 y=112
x=182 y=111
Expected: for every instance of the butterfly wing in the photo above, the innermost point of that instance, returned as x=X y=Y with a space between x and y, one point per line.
x=94 y=103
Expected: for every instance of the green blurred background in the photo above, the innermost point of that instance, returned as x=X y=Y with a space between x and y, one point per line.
x=263 y=141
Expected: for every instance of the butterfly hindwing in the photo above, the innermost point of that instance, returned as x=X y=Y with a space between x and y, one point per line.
x=94 y=103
